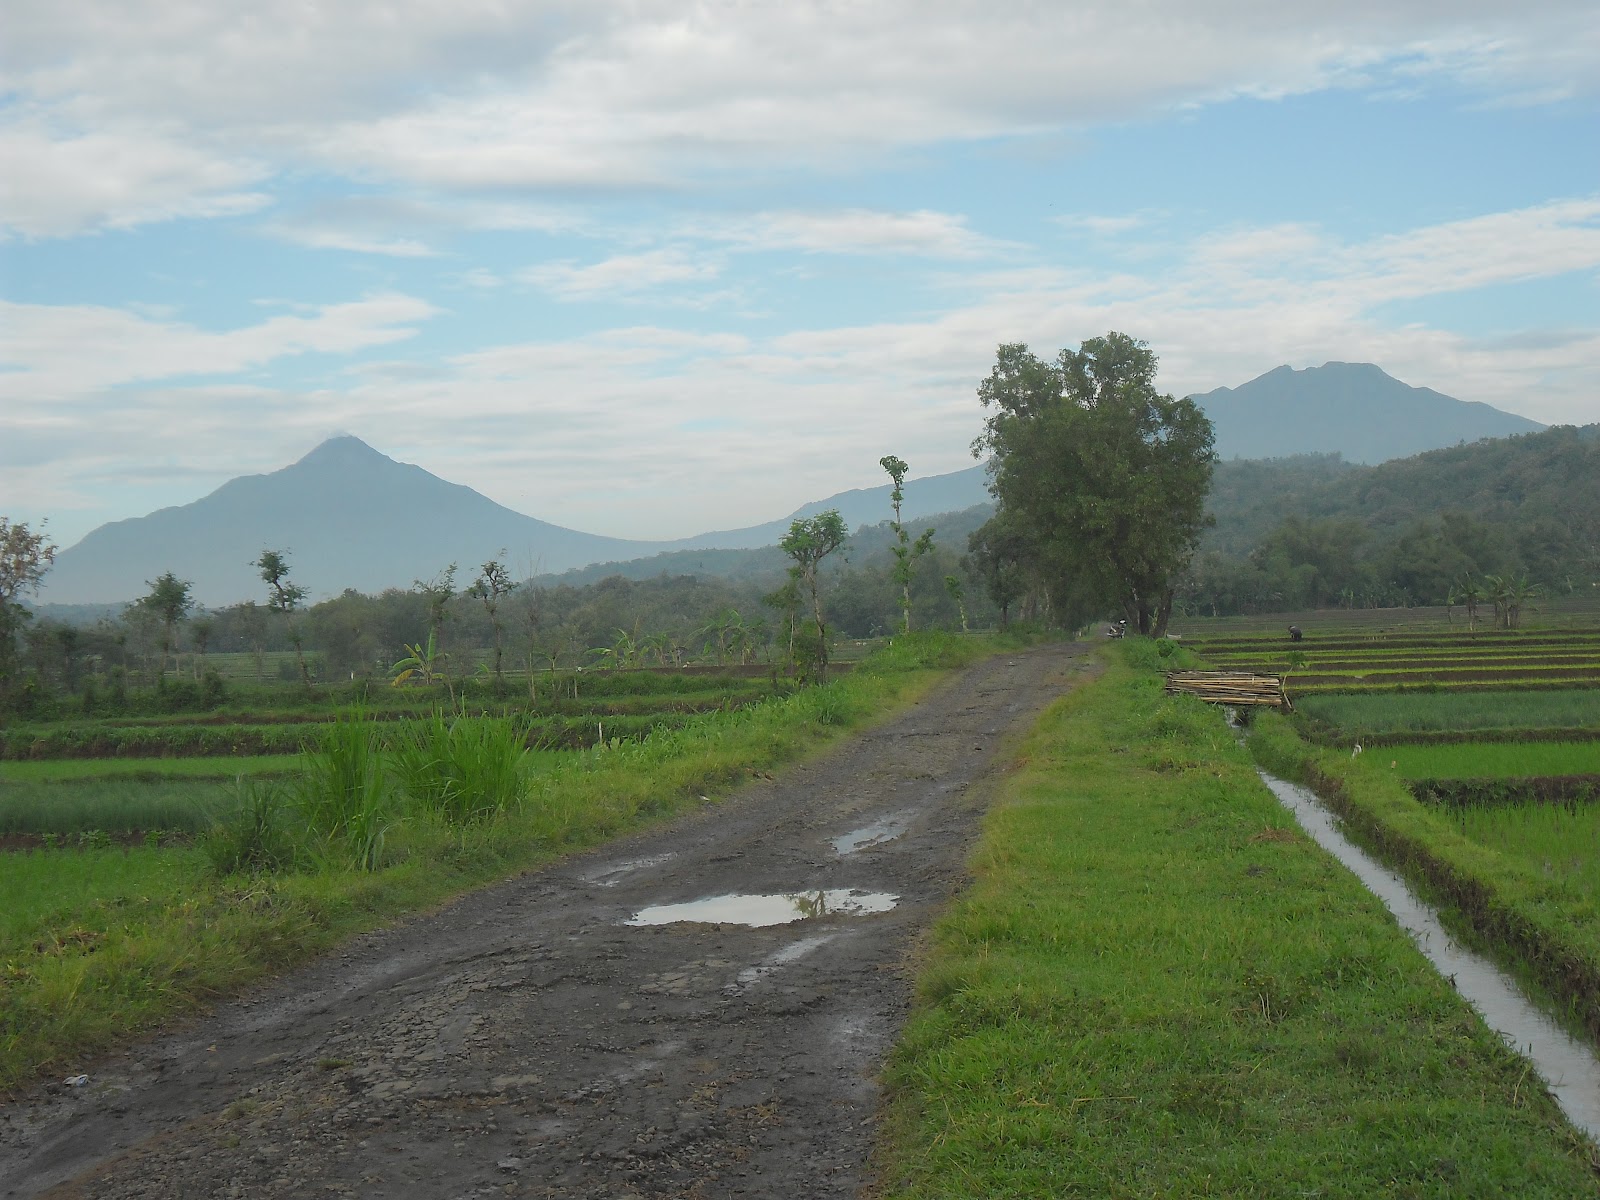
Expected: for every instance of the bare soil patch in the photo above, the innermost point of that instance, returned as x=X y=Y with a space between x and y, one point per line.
x=529 y=1041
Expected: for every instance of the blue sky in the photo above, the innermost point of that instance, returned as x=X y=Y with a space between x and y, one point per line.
x=647 y=269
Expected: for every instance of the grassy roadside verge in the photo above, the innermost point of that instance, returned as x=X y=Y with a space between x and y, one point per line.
x=1157 y=986
x=1546 y=925
x=94 y=949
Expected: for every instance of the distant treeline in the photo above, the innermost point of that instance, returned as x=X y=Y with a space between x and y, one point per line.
x=544 y=622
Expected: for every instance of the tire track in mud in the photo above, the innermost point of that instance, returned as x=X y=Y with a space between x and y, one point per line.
x=528 y=1041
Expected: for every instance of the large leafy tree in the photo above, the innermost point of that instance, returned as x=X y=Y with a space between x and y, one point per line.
x=1106 y=475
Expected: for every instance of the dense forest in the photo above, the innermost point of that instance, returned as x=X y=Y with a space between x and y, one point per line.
x=1313 y=531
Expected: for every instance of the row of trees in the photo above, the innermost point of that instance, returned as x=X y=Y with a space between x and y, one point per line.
x=436 y=631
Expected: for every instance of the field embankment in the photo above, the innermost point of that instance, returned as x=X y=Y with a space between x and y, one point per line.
x=1156 y=985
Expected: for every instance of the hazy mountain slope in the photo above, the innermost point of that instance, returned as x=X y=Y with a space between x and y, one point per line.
x=767 y=563
x=350 y=517
x=1352 y=409
x=347 y=516
x=861 y=506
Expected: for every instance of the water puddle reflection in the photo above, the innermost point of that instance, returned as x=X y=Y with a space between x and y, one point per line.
x=885 y=830
x=739 y=909
x=1569 y=1067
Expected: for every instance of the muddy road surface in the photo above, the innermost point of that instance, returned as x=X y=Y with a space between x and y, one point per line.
x=574 y=1032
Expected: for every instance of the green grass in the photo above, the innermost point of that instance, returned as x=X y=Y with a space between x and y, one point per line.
x=145 y=769
x=1555 y=840
x=1355 y=715
x=1493 y=760
x=1157 y=987
x=201 y=935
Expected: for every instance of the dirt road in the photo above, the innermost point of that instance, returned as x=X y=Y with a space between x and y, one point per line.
x=543 y=1038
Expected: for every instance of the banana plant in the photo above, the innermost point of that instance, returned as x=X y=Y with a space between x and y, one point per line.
x=423 y=664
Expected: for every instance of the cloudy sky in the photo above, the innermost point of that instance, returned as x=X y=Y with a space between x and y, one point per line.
x=647 y=268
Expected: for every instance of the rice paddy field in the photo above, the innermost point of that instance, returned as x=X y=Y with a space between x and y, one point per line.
x=1494 y=760
x=85 y=781
x=1470 y=713
x=1478 y=773
x=1556 y=841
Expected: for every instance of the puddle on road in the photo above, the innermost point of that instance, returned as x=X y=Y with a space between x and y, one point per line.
x=1570 y=1068
x=741 y=909
x=885 y=830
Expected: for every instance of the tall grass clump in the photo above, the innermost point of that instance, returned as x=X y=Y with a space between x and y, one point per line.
x=462 y=769
x=256 y=834
x=343 y=796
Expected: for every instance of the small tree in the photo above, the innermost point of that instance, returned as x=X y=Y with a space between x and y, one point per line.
x=493 y=585
x=952 y=585
x=437 y=593
x=808 y=542
x=200 y=629
x=786 y=601
x=169 y=601
x=905 y=551
x=251 y=621
x=284 y=598
x=25 y=556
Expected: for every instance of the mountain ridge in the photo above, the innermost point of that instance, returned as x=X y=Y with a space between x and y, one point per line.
x=1355 y=410
x=349 y=516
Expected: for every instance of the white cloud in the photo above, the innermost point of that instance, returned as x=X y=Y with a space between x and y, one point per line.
x=59 y=185
x=355 y=242
x=622 y=276
x=62 y=353
x=482 y=94
x=855 y=231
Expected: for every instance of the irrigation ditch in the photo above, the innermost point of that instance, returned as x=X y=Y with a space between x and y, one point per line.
x=1569 y=1067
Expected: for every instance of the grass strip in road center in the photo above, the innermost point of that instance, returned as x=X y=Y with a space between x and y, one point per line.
x=1158 y=986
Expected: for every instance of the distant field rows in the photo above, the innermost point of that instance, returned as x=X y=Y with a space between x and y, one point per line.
x=1494 y=760
x=1391 y=712
x=51 y=770
x=1408 y=661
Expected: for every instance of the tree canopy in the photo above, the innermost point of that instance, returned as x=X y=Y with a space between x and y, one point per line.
x=1105 y=476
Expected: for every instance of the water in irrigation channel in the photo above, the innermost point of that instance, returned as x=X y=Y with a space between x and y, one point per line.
x=1569 y=1067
